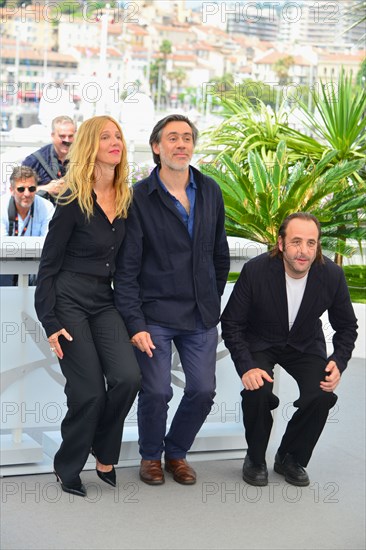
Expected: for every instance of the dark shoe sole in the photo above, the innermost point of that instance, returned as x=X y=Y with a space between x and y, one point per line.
x=181 y=481
x=255 y=482
x=279 y=469
x=152 y=481
x=80 y=491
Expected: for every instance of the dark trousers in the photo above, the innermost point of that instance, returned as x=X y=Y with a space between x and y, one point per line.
x=101 y=371
x=307 y=423
x=197 y=353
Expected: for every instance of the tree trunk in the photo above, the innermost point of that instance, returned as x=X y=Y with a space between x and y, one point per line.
x=338 y=259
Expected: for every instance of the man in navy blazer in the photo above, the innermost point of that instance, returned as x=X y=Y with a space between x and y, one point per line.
x=171 y=273
x=273 y=317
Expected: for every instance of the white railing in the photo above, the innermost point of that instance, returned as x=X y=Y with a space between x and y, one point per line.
x=32 y=397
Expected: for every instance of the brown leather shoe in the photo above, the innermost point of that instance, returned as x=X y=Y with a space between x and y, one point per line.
x=181 y=470
x=151 y=472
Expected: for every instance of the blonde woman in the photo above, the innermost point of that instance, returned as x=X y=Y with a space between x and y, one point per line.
x=74 y=302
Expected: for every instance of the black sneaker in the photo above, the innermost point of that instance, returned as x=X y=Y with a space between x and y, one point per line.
x=255 y=474
x=293 y=471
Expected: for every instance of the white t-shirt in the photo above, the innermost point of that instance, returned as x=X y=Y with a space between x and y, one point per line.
x=295 y=289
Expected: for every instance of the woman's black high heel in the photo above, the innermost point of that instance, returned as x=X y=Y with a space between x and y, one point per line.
x=78 y=490
x=107 y=477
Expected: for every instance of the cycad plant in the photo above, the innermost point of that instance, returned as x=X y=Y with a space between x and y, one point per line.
x=337 y=122
x=248 y=126
x=267 y=169
x=258 y=199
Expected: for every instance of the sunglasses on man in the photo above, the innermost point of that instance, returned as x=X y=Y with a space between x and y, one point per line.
x=31 y=189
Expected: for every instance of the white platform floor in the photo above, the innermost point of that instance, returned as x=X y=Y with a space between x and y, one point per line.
x=220 y=511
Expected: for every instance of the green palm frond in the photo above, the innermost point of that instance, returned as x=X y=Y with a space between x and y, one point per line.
x=338 y=117
x=357 y=10
x=267 y=170
x=257 y=203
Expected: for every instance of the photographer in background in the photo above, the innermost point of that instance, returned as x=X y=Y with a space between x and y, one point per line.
x=23 y=213
x=50 y=161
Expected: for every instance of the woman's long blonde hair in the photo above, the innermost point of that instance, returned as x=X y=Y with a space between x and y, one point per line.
x=79 y=178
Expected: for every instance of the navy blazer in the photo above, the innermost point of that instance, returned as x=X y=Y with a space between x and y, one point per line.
x=256 y=316
x=162 y=275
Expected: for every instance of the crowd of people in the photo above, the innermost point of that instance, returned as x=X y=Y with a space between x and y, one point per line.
x=126 y=272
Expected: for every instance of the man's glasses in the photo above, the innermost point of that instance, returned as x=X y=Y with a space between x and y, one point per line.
x=31 y=189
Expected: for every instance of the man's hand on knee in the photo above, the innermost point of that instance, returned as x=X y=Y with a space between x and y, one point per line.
x=142 y=340
x=332 y=377
x=253 y=379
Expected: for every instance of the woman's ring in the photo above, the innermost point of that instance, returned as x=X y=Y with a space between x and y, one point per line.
x=52 y=349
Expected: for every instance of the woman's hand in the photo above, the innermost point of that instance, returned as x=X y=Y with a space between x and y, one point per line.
x=55 y=344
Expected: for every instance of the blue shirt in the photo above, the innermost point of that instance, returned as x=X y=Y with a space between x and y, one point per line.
x=188 y=219
x=162 y=275
x=37 y=226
